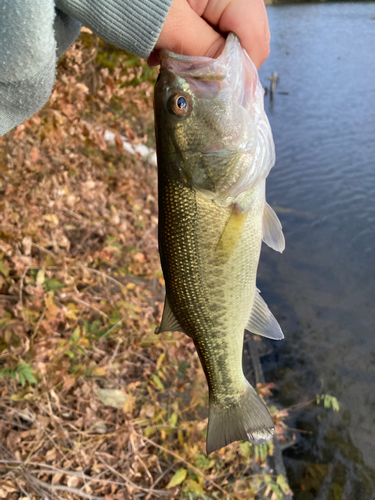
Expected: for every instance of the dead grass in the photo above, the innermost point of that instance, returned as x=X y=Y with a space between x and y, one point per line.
x=93 y=404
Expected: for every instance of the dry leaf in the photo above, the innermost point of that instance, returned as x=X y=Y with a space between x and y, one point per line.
x=26 y=245
x=74 y=481
x=112 y=397
x=7 y=487
x=56 y=478
x=40 y=277
x=51 y=455
x=51 y=218
x=139 y=258
x=34 y=154
x=119 y=144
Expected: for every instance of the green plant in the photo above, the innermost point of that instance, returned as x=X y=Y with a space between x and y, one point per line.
x=22 y=372
x=328 y=401
x=278 y=485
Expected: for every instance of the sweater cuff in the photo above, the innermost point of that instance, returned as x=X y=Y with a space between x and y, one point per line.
x=66 y=31
x=133 y=25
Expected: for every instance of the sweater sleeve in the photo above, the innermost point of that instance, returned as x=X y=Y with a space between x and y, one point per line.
x=33 y=33
x=133 y=25
x=66 y=31
x=27 y=59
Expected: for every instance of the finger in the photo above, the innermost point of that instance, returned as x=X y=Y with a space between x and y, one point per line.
x=247 y=19
x=185 y=32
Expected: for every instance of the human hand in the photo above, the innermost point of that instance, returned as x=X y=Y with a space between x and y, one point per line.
x=195 y=28
x=33 y=35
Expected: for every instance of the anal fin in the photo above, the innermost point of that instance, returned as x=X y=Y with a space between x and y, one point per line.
x=272 y=230
x=169 y=322
x=262 y=321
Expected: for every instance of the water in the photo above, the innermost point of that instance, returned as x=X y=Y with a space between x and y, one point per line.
x=322 y=288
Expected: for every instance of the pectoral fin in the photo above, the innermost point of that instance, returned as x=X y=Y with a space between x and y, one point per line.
x=169 y=323
x=231 y=234
x=262 y=321
x=272 y=230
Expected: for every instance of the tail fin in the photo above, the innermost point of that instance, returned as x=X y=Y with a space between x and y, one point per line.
x=247 y=420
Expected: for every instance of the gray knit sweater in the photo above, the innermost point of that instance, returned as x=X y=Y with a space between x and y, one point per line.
x=34 y=33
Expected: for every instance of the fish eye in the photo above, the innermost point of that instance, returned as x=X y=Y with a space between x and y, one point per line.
x=179 y=105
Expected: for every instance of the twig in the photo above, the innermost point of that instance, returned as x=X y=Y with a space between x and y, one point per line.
x=23 y=491
x=149 y=230
x=115 y=351
x=42 y=249
x=133 y=485
x=6 y=453
x=300 y=405
x=144 y=466
x=86 y=304
x=260 y=489
x=253 y=351
x=8 y=297
x=273 y=80
x=171 y=467
x=144 y=358
x=77 y=216
x=81 y=267
x=112 y=328
x=188 y=464
x=300 y=431
x=40 y=443
x=103 y=275
x=15 y=424
x=41 y=318
x=87 y=482
x=51 y=469
x=93 y=54
x=21 y=285
x=58 y=487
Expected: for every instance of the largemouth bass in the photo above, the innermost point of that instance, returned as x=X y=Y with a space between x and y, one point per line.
x=215 y=150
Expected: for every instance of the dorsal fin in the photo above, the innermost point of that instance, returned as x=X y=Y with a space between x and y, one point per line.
x=262 y=321
x=272 y=230
x=169 y=322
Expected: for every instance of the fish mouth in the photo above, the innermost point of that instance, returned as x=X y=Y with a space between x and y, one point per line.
x=199 y=67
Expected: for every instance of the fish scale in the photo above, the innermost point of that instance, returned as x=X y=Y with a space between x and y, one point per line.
x=202 y=290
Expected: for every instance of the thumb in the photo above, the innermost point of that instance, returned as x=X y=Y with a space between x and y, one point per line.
x=185 y=32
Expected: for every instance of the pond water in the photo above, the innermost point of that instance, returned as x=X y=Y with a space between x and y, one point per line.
x=322 y=289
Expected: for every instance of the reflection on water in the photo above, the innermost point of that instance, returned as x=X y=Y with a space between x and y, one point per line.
x=323 y=287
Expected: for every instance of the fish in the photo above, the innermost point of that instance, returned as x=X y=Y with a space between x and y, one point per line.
x=214 y=150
